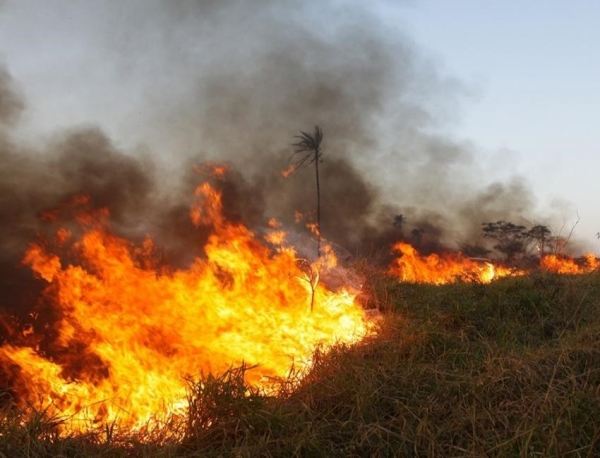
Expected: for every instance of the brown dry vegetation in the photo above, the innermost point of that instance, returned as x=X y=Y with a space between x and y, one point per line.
x=506 y=369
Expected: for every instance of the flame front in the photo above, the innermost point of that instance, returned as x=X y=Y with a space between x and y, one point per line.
x=129 y=332
x=565 y=265
x=440 y=269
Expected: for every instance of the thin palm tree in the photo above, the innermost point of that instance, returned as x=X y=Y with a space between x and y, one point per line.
x=308 y=151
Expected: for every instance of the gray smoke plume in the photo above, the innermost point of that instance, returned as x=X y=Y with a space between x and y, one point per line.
x=239 y=79
x=11 y=101
x=151 y=88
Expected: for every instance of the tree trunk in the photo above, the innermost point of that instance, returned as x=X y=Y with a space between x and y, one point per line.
x=318 y=204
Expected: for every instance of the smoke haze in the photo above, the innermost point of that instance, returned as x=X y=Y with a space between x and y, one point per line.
x=125 y=98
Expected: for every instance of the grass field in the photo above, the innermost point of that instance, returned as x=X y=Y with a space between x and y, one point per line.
x=506 y=369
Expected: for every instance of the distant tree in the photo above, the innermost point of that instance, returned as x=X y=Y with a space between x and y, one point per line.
x=511 y=239
x=542 y=236
x=417 y=235
x=556 y=244
x=559 y=242
x=308 y=151
x=399 y=221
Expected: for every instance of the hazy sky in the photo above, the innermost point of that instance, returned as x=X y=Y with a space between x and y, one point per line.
x=514 y=84
x=533 y=71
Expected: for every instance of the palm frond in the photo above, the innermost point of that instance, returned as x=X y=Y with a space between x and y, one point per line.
x=309 y=144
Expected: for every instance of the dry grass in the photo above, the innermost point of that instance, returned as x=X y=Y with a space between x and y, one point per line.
x=507 y=369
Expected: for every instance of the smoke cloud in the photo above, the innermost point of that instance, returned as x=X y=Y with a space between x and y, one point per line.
x=11 y=102
x=148 y=89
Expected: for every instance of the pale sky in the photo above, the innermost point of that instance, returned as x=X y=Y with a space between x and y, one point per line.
x=533 y=69
x=527 y=75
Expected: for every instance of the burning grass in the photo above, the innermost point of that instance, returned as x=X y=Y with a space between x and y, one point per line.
x=128 y=333
x=131 y=357
x=509 y=368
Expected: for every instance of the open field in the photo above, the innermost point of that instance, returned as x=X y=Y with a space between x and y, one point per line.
x=506 y=369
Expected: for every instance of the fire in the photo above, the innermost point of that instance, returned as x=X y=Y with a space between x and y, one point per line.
x=441 y=269
x=129 y=331
x=564 y=265
x=287 y=172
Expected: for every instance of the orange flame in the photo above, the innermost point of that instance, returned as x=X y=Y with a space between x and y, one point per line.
x=441 y=269
x=287 y=172
x=130 y=332
x=565 y=265
x=214 y=170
